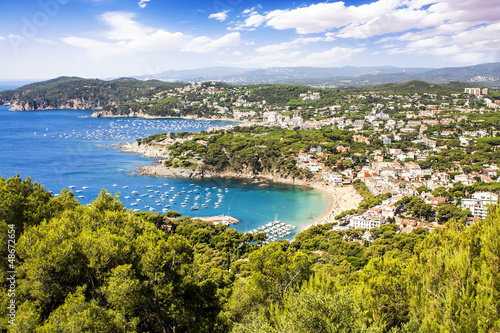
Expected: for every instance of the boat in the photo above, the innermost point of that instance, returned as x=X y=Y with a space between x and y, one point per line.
x=135 y=192
x=194 y=208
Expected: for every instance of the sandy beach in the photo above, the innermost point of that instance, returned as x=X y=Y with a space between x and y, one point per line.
x=341 y=198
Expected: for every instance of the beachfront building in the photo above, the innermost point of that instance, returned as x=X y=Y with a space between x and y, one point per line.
x=333 y=178
x=366 y=221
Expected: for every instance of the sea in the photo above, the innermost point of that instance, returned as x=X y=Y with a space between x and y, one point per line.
x=69 y=149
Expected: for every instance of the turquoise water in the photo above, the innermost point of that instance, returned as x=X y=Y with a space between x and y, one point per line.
x=68 y=149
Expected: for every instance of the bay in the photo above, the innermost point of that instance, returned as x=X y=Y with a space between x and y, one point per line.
x=69 y=149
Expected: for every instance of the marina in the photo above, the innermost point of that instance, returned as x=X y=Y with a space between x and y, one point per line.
x=274 y=230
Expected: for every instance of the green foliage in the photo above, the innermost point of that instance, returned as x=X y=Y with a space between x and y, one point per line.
x=101 y=268
x=95 y=93
x=259 y=149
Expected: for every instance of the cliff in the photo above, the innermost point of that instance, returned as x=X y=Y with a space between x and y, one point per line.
x=38 y=104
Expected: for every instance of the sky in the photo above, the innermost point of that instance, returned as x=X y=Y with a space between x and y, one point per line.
x=42 y=39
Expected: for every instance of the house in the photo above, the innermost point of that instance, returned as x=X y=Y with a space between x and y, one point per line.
x=314 y=166
x=333 y=178
x=395 y=151
x=413 y=169
x=413 y=123
x=303 y=157
x=464 y=179
x=385 y=139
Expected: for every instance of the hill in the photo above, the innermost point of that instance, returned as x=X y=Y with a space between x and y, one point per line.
x=77 y=93
x=419 y=87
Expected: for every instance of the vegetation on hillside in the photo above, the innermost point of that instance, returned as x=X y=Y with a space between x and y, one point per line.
x=102 y=268
x=417 y=86
x=95 y=93
x=261 y=149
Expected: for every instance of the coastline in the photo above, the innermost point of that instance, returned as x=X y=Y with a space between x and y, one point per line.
x=341 y=197
x=98 y=113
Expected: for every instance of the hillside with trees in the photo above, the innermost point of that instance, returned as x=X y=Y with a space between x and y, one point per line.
x=102 y=268
x=78 y=93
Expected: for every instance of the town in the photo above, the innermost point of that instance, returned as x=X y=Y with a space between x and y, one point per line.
x=438 y=147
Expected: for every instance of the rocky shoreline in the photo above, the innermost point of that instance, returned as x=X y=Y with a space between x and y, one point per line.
x=99 y=113
x=159 y=152
x=72 y=104
x=141 y=114
x=160 y=170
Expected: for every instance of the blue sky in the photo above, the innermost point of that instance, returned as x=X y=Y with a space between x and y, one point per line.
x=112 y=38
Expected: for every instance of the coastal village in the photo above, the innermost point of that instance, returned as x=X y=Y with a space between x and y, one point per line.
x=410 y=131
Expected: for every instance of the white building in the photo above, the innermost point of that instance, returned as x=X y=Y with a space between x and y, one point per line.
x=333 y=178
x=479 y=202
x=366 y=221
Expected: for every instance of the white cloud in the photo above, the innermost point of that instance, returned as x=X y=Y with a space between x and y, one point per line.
x=143 y=3
x=2 y=38
x=96 y=49
x=437 y=27
x=334 y=56
x=127 y=35
x=222 y=16
x=374 y=19
x=205 y=44
x=474 y=45
x=288 y=45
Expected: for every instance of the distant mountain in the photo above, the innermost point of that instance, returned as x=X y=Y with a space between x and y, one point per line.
x=485 y=74
x=194 y=75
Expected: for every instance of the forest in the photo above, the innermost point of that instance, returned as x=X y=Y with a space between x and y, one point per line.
x=97 y=93
x=102 y=268
x=262 y=149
